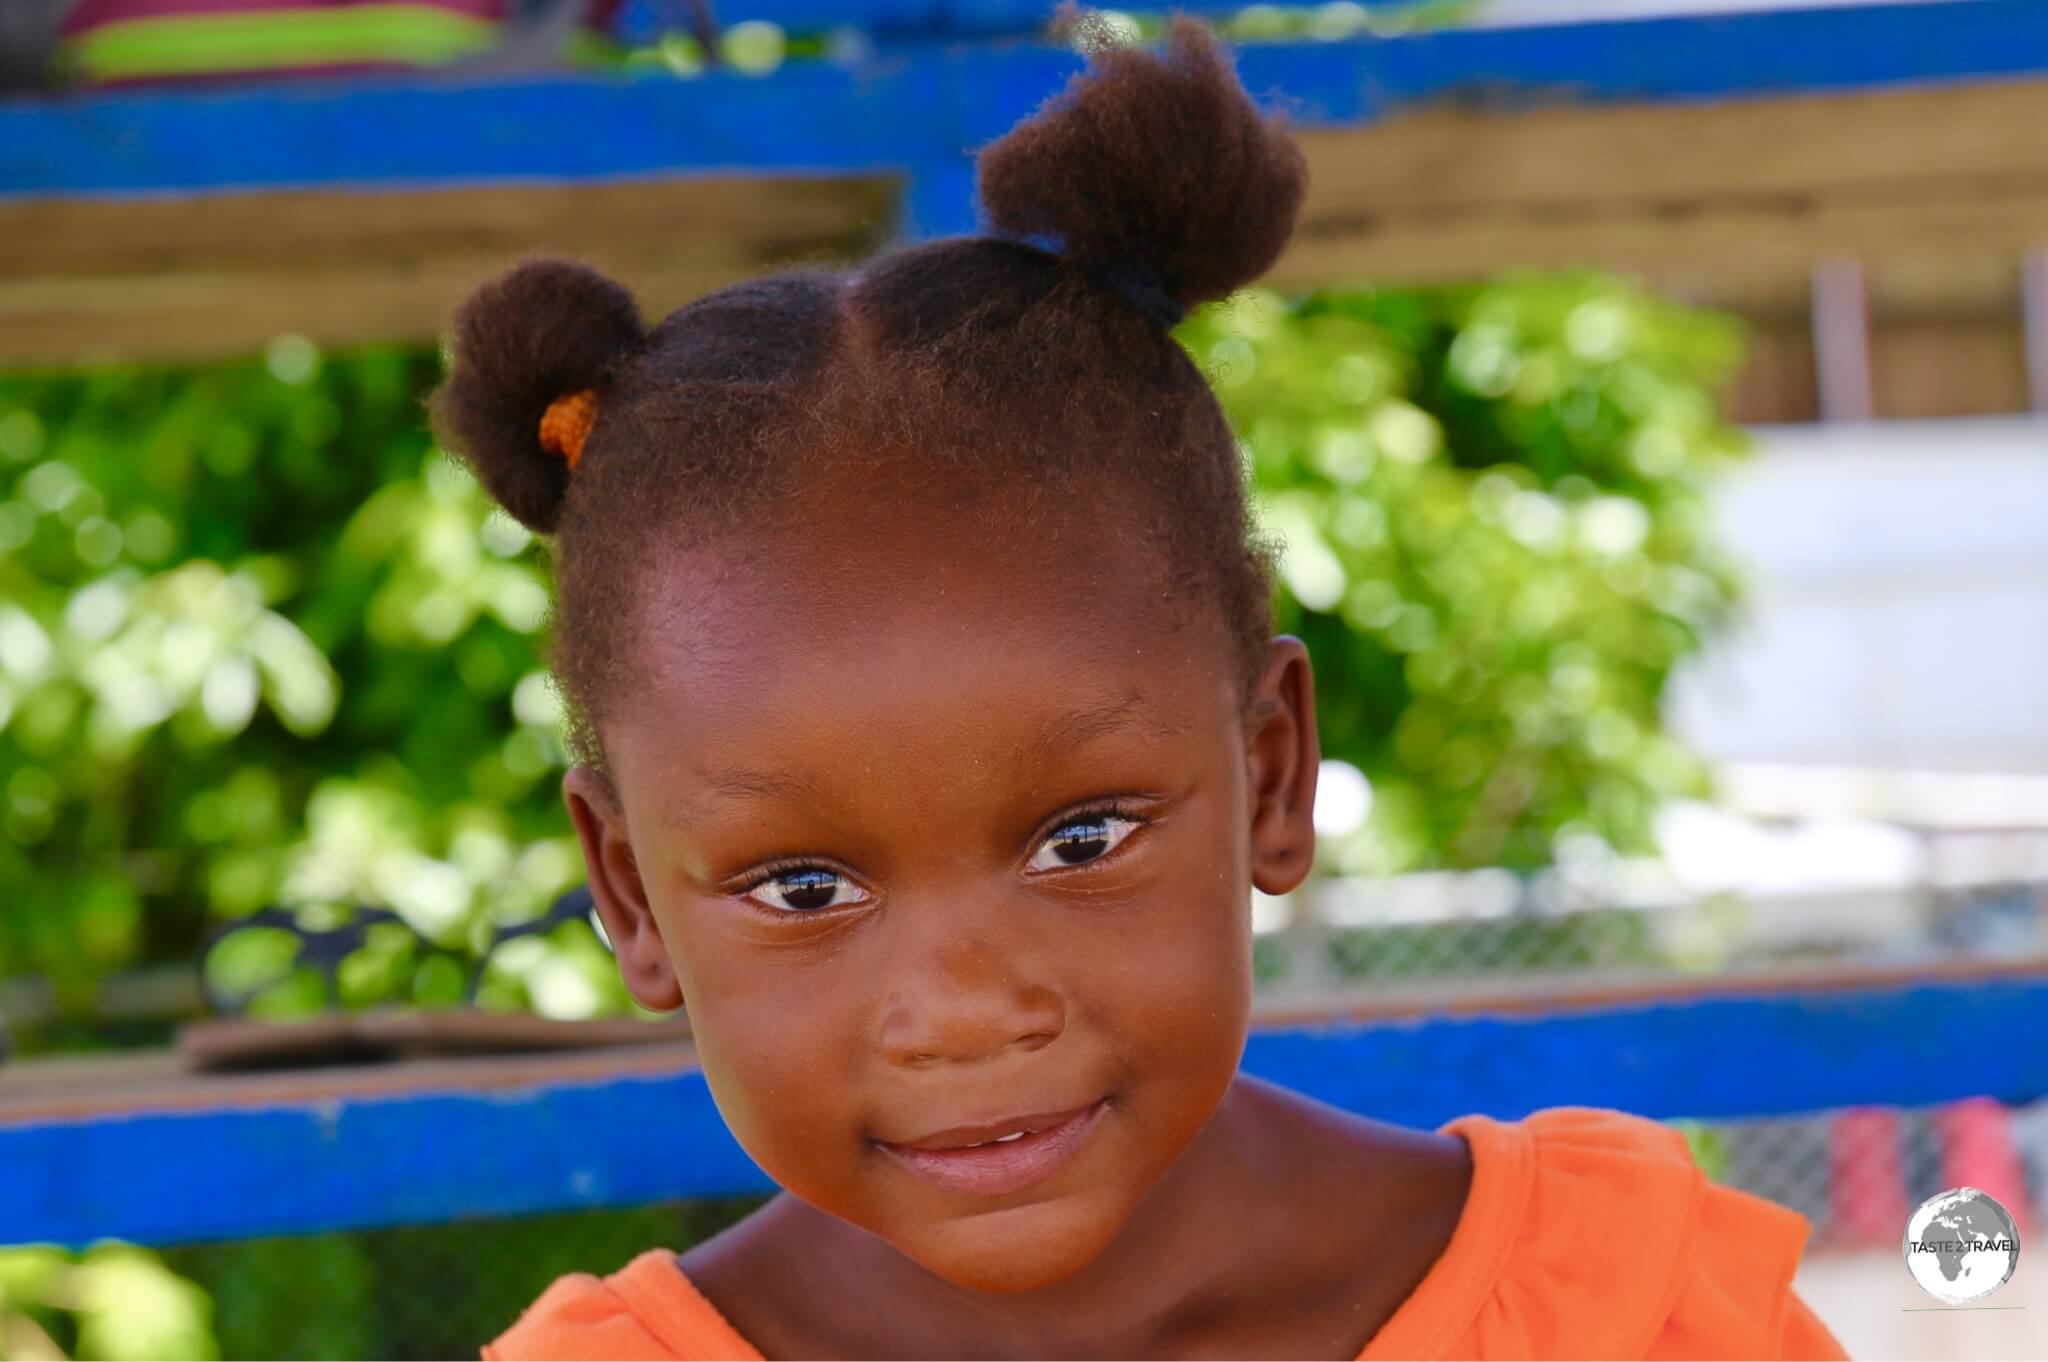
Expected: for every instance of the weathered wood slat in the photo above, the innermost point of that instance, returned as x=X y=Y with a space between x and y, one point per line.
x=1735 y=186
x=220 y=275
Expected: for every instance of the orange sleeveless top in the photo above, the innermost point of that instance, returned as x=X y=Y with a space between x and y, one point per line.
x=1587 y=1233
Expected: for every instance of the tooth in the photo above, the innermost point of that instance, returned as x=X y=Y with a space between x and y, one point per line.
x=1000 y=1139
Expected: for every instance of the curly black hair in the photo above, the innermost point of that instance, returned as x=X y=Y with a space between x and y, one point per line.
x=1034 y=352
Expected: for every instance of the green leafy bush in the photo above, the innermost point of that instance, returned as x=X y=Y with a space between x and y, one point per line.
x=1492 y=500
x=111 y=1303
x=255 y=650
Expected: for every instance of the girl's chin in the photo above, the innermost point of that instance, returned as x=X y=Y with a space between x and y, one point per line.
x=1021 y=1250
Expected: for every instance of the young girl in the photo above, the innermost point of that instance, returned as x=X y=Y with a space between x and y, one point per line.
x=930 y=734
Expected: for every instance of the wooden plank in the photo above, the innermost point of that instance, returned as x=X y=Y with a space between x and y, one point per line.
x=509 y=1135
x=1441 y=194
x=714 y=218
x=1585 y=160
x=97 y=279
x=1947 y=336
x=125 y=1086
x=1778 y=382
x=384 y=1033
x=1928 y=369
x=1763 y=184
x=1399 y=247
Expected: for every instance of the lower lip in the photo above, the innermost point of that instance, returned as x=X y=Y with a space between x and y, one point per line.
x=992 y=1169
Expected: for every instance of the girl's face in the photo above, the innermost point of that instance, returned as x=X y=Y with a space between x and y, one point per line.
x=931 y=825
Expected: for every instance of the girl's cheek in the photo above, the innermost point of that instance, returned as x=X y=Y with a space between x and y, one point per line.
x=779 y=1074
x=1188 y=1011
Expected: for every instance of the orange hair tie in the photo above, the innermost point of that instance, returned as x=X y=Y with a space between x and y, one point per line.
x=566 y=424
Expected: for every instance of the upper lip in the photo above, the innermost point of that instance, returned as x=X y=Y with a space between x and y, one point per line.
x=953 y=1137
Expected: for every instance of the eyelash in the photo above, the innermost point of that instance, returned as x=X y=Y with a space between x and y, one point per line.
x=1112 y=808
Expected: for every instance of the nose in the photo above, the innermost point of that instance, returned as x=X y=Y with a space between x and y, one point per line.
x=971 y=1000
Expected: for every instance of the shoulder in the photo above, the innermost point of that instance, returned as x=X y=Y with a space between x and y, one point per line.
x=645 y=1311
x=1593 y=1233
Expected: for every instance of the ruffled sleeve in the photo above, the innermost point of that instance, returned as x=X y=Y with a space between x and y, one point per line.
x=1593 y=1233
x=578 y=1316
x=1804 y=1336
x=1735 y=1296
x=647 y=1311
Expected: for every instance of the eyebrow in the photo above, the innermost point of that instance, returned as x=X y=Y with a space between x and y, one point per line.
x=757 y=786
x=1102 y=721
x=1064 y=731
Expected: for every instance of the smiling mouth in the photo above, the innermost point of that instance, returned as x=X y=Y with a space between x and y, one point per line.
x=993 y=1157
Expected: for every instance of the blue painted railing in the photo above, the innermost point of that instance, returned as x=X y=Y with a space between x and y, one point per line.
x=166 y=1177
x=919 y=108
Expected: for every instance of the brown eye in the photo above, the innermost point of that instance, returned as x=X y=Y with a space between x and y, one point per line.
x=1086 y=837
x=809 y=889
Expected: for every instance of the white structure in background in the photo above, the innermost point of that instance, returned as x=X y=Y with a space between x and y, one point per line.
x=1899 y=601
x=1882 y=704
x=1876 y=723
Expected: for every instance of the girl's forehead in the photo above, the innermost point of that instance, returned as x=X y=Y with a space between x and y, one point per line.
x=878 y=572
x=946 y=645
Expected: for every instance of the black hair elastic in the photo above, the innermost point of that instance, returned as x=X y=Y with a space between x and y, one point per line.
x=1142 y=287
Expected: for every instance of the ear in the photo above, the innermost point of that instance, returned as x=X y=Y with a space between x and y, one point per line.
x=1282 y=756
x=615 y=886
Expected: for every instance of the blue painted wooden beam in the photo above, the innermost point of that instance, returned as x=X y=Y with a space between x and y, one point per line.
x=810 y=119
x=916 y=104
x=173 y=1177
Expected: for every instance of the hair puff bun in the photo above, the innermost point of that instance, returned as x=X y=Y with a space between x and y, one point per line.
x=1155 y=162
x=542 y=330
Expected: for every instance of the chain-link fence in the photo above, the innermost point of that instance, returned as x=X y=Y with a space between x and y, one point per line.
x=1880 y=893
x=427 y=1291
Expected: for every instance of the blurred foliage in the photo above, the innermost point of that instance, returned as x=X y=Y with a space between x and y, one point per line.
x=1709 y=1145
x=1496 y=546
x=252 y=651
x=349 y=1295
x=1301 y=23
x=757 y=47
x=103 y=52
x=110 y=1302
x=357 y=1295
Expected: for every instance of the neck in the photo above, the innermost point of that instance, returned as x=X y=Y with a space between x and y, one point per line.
x=1208 y=1239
